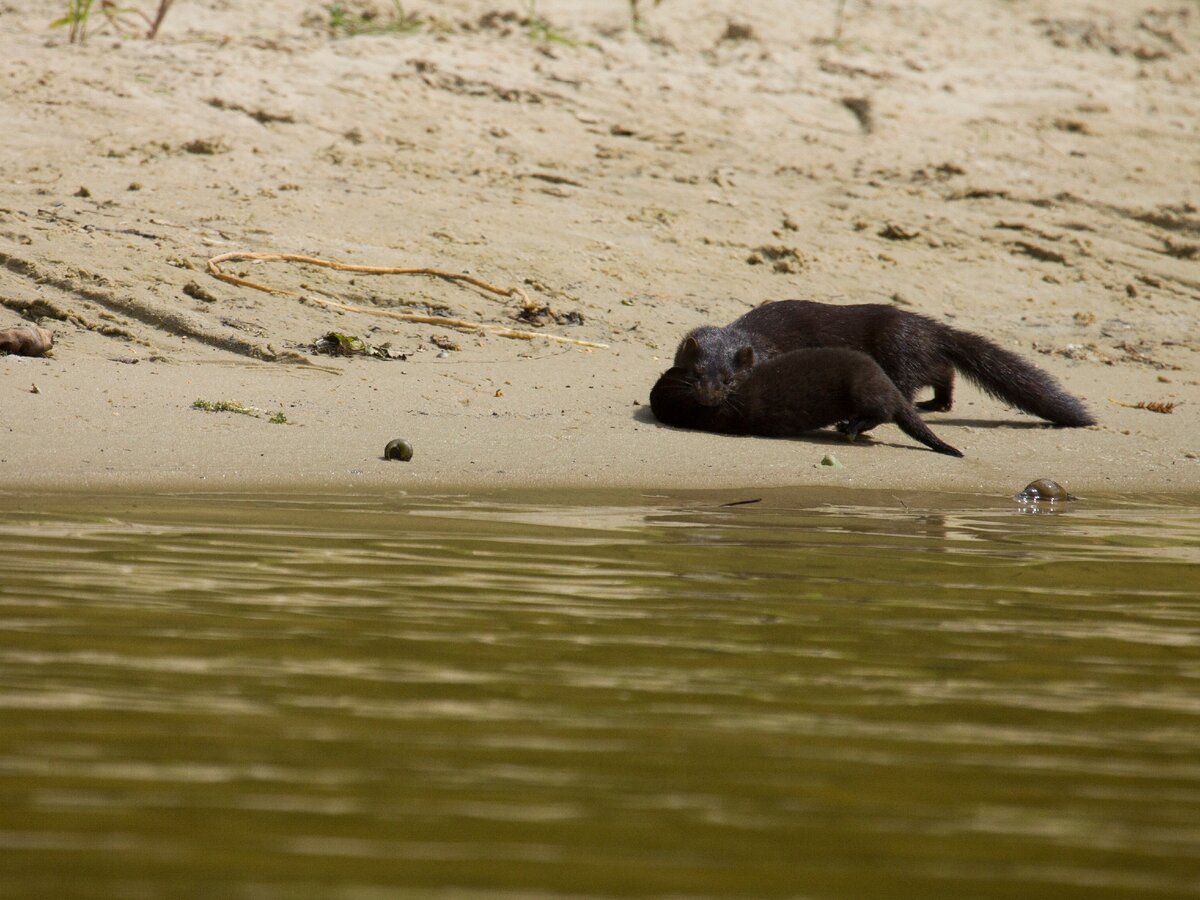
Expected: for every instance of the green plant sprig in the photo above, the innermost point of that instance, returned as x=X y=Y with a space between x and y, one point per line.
x=347 y=24
x=79 y=13
x=234 y=406
x=538 y=28
x=635 y=14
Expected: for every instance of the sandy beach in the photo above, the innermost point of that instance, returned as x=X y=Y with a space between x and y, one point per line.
x=1024 y=170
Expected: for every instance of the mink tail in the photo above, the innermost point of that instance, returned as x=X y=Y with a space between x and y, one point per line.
x=912 y=425
x=1008 y=377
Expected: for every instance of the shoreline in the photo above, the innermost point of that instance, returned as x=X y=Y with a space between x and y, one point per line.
x=1007 y=177
x=288 y=501
x=474 y=428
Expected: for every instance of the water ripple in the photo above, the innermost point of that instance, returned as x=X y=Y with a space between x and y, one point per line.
x=264 y=697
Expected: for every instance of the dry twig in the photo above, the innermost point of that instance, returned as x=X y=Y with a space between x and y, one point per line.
x=1152 y=405
x=214 y=269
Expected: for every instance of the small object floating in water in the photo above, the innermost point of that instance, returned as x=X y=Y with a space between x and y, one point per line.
x=1043 y=490
x=398 y=449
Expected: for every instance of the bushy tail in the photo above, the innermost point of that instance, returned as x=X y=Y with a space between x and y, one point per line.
x=912 y=425
x=1010 y=378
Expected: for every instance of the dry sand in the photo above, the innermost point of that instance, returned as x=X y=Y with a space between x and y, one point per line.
x=1029 y=170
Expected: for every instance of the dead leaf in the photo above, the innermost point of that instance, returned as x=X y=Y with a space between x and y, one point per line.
x=26 y=340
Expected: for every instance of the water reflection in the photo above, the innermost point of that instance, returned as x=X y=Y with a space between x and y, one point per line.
x=619 y=696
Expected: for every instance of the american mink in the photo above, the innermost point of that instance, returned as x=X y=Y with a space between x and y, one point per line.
x=914 y=351
x=791 y=393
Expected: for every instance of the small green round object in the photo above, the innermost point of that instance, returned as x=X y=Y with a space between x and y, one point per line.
x=398 y=449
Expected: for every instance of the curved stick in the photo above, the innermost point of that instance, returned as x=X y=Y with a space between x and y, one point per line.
x=214 y=269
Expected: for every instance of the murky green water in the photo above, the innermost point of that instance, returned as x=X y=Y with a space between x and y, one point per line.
x=597 y=696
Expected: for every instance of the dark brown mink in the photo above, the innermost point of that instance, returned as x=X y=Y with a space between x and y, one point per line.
x=914 y=350
x=792 y=393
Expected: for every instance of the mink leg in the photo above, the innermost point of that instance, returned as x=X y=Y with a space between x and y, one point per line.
x=943 y=394
x=855 y=427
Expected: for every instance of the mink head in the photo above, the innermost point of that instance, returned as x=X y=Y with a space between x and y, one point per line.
x=713 y=364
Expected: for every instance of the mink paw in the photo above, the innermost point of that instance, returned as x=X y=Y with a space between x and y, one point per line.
x=933 y=405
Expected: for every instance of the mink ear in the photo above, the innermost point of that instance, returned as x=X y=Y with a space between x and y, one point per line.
x=744 y=358
x=689 y=352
